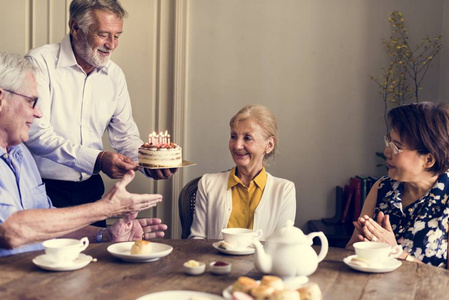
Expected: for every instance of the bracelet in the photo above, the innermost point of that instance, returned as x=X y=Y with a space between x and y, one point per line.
x=101 y=159
x=409 y=258
x=99 y=237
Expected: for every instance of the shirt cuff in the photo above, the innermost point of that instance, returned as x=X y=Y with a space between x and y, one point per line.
x=99 y=238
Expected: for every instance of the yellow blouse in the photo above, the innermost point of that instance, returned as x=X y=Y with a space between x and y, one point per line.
x=245 y=199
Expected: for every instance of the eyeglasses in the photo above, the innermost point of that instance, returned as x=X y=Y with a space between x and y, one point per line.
x=392 y=145
x=30 y=100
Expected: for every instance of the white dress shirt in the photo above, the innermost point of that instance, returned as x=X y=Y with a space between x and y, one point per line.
x=213 y=206
x=77 y=109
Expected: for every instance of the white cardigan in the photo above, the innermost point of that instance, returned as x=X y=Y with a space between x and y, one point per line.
x=213 y=206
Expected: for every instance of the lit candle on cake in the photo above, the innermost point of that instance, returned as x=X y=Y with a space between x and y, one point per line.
x=151 y=137
x=161 y=138
x=165 y=137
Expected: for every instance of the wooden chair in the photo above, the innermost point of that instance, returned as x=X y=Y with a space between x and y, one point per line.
x=186 y=204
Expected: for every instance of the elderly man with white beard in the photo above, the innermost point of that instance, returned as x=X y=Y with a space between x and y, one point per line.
x=82 y=94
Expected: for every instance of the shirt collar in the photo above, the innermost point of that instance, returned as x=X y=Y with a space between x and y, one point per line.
x=260 y=180
x=10 y=149
x=67 y=57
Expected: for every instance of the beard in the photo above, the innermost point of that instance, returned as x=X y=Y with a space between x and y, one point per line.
x=91 y=56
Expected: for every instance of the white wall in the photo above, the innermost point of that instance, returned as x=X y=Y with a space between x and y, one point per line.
x=309 y=61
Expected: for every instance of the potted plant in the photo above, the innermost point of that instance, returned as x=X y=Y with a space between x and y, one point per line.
x=401 y=81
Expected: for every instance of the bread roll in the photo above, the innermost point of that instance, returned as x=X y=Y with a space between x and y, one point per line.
x=310 y=291
x=244 y=284
x=273 y=281
x=141 y=247
x=262 y=292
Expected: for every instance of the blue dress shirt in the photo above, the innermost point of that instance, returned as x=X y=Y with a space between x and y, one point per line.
x=21 y=188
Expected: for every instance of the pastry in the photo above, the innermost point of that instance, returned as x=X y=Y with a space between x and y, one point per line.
x=273 y=281
x=310 y=291
x=244 y=284
x=141 y=247
x=262 y=292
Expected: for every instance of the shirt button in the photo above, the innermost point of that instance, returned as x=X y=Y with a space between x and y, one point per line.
x=410 y=210
x=5 y=156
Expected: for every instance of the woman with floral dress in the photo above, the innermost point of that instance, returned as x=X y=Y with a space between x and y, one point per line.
x=409 y=207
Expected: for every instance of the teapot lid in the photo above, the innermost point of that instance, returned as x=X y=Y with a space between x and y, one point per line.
x=288 y=234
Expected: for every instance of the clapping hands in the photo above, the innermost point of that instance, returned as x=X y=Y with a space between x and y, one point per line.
x=380 y=231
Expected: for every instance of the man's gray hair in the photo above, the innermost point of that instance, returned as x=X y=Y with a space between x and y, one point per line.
x=13 y=70
x=80 y=11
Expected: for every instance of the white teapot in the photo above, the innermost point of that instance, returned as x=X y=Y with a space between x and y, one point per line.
x=289 y=253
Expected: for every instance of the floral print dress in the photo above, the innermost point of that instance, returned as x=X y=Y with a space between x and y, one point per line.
x=420 y=228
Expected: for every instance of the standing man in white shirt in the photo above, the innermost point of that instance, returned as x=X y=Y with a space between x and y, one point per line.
x=82 y=94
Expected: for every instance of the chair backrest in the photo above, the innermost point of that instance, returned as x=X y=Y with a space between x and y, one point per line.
x=186 y=204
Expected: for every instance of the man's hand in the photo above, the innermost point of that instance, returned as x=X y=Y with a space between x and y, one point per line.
x=160 y=173
x=129 y=229
x=115 y=165
x=118 y=201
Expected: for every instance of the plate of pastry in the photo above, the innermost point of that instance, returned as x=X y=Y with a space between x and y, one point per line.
x=272 y=287
x=180 y=295
x=139 y=251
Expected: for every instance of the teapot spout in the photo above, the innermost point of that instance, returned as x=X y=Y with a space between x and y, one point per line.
x=262 y=261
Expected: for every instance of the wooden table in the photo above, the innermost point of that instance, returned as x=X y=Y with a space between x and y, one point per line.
x=111 y=278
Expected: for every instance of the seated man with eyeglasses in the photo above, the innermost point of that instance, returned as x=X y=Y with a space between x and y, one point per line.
x=82 y=95
x=410 y=206
x=27 y=216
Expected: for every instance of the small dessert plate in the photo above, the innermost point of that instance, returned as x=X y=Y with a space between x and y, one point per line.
x=185 y=163
x=123 y=251
x=42 y=261
x=245 y=251
x=389 y=265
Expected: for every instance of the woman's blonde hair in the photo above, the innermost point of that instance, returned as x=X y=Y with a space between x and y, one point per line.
x=262 y=116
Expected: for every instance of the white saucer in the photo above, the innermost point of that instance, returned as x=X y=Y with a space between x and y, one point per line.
x=123 y=251
x=179 y=295
x=292 y=283
x=245 y=251
x=389 y=265
x=42 y=261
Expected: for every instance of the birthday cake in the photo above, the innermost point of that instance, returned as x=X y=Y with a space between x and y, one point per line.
x=159 y=152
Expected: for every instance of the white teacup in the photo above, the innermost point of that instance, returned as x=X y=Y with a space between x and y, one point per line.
x=64 y=250
x=376 y=252
x=240 y=238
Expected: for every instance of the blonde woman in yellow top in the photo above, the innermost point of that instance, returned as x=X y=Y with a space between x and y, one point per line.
x=246 y=196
